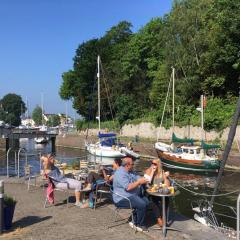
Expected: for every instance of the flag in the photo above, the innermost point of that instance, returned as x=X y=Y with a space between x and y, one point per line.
x=204 y=102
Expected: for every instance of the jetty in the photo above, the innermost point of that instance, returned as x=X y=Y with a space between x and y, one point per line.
x=33 y=221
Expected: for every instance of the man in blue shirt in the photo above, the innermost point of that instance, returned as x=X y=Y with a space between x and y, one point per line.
x=127 y=184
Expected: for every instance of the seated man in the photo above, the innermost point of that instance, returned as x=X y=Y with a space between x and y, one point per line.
x=128 y=184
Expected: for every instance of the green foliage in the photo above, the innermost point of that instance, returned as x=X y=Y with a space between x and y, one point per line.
x=37 y=115
x=107 y=125
x=200 y=38
x=127 y=108
x=8 y=201
x=54 y=120
x=12 y=107
x=218 y=114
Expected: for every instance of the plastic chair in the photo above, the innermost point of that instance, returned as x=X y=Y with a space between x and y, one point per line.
x=82 y=174
x=30 y=177
x=83 y=165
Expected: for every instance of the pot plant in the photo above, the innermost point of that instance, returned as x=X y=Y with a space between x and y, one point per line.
x=9 y=204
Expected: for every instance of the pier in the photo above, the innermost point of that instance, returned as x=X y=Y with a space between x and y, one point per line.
x=10 y=136
x=32 y=221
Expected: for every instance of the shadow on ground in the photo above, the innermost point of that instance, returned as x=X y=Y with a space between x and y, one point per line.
x=28 y=221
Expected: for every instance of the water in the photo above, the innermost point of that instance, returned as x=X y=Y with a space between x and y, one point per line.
x=181 y=203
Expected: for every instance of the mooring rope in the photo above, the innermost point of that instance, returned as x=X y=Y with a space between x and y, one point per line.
x=204 y=194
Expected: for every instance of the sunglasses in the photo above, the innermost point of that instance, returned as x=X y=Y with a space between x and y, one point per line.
x=153 y=163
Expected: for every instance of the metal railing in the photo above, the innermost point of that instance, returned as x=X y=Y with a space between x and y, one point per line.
x=26 y=160
x=16 y=160
x=238 y=216
x=8 y=151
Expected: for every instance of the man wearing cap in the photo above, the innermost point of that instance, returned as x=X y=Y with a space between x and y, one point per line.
x=127 y=184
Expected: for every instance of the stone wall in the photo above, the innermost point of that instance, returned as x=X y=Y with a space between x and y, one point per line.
x=148 y=130
x=74 y=140
x=144 y=130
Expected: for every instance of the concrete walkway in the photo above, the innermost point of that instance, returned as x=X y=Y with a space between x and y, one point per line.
x=33 y=222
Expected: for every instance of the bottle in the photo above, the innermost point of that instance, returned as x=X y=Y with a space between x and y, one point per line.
x=172 y=187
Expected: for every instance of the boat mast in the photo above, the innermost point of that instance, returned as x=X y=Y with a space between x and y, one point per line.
x=99 y=106
x=230 y=139
x=42 y=107
x=173 y=93
x=202 y=119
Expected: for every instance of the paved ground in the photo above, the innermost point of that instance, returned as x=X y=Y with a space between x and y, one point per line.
x=33 y=222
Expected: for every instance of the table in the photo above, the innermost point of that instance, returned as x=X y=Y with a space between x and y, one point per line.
x=163 y=196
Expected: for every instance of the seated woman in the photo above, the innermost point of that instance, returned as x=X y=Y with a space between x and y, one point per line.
x=95 y=178
x=58 y=180
x=155 y=175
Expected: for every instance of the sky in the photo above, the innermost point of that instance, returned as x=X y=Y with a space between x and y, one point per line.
x=38 y=39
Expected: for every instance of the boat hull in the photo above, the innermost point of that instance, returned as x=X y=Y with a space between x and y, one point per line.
x=104 y=151
x=41 y=140
x=188 y=164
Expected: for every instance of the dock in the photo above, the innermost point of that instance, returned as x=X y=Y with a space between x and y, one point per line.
x=34 y=222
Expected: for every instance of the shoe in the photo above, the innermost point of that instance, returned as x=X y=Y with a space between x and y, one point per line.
x=85 y=205
x=78 y=204
x=91 y=205
x=160 y=222
x=142 y=229
x=131 y=224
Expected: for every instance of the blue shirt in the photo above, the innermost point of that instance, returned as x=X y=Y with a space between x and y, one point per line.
x=121 y=180
x=56 y=176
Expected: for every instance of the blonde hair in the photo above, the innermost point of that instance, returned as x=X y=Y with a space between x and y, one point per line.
x=159 y=166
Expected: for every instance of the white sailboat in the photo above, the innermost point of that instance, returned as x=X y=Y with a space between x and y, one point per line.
x=107 y=146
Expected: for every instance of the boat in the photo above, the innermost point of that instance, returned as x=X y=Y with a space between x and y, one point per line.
x=107 y=146
x=183 y=154
x=41 y=140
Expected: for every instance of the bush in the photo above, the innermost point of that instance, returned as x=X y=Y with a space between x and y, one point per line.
x=8 y=201
x=111 y=125
x=217 y=115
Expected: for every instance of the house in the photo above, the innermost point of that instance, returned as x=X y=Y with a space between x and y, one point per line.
x=27 y=122
x=65 y=121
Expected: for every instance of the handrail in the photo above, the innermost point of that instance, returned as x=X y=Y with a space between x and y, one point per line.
x=19 y=151
x=8 y=161
x=238 y=215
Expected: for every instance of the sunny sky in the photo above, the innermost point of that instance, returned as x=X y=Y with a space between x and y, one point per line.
x=38 y=39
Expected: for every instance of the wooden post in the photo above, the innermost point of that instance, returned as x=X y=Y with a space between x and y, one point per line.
x=1 y=206
x=53 y=139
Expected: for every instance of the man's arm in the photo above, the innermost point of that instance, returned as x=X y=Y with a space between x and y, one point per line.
x=135 y=184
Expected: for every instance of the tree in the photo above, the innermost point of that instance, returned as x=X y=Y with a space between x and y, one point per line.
x=54 y=120
x=80 y=84
x=12 y=107
x=37 y=115
x=127 y=108
x=199 y=38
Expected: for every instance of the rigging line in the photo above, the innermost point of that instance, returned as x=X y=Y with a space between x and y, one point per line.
x=165 y=103
x=204 y=194
x=107 y=91
x=90 y=105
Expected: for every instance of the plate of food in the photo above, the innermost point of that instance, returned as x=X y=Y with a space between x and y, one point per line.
x=154 y=188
